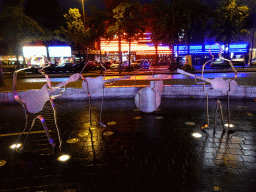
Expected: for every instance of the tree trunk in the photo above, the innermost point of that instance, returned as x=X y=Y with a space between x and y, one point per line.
x=156 y=55
x=120 y=51
x=79 y=54
x=129 y=51
x=17 y=52
x=1 y=75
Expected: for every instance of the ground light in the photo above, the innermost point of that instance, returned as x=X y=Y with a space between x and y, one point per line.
x=189 y=123
x=2 y=163
x=228 y=125
x=108 y=133
x=73 y=140
x=16 y=146
x=63 y=157
x=197 y=135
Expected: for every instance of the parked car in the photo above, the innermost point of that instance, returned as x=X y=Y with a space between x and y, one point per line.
x=89 y=66
x=115 y=66
x=10 y=66
x=219 y=63
x=107 y=64
x=238 y=60
x=253 y=61
x=65 y=67
x=140 y=64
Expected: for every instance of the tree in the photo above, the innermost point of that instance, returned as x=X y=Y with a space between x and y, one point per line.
x=229 y=22
x=16 y=28
x=97 y=23
x=155 y=13
x=76 y=31
x=1 y=75
x=189 y=17
x=128 y=22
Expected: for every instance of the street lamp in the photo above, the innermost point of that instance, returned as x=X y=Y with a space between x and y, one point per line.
x=83 y=10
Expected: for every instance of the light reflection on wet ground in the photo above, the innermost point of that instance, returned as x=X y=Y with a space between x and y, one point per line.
x=145 y=151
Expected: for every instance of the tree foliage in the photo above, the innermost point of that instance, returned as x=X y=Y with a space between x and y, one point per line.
x=76 y=30
x=16 y=28
x=229 y=21
x=156 y=13
x=129 y=21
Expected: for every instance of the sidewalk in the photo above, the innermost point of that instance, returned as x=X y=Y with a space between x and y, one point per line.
x=147 y=152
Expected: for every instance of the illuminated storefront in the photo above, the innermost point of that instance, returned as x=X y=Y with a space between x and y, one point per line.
x=142 y=47
x=36 y=55
x=60 y=54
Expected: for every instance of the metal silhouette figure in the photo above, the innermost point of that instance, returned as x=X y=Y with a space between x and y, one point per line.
x=33 y=101
x=92 y=85
x=227 y=86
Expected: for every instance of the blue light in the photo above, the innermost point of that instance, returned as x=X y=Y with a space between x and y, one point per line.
x=214 y=47
x=195 y=47
x=238 y=46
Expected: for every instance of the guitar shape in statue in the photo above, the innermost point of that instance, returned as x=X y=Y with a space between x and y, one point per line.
x=36 y=99
x=148 y=99
x=218 y=83
x=96 y=83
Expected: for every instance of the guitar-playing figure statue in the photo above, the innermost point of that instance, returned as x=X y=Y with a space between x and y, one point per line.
x=33 y=101
x=92 y=85
x=227 y=86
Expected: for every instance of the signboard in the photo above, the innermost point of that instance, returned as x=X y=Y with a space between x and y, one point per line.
x=59 y=51
x=36 y=51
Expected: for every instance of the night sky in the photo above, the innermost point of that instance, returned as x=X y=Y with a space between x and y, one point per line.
x=66 y=4
x=78 y=4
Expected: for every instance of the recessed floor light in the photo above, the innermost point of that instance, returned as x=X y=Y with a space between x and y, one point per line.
x=108 y=133
x=189 y=123
x=137 y=117
x=136 y=110
x=230 y=125
x=249 y=114
x=72 y=140
x=112 y=123
x=16 y=146
x=83 y=134
x=63 y=158
x=159 y=117
x=2 y=163
x=197 y=135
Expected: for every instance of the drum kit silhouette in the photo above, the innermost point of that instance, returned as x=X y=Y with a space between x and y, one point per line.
x=147 y=99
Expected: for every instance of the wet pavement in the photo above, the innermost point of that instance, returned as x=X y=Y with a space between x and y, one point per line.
x=147 y=152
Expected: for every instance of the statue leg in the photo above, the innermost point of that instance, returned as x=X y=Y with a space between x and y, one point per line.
x=215 y=117
x=26 y=126
x=218 y=105
x=56 y=124
x=207 y=111
x=46 y=131
x=222 y=120
x=45 y=128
